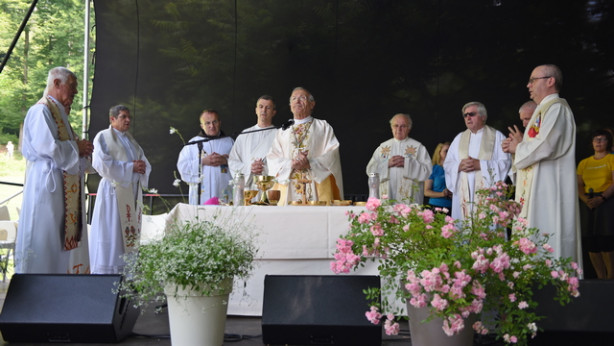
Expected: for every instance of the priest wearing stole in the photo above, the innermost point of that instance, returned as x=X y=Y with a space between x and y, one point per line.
x=545 y=160
x=304 y=157
x=116 y=222
x=403 y=163
x=475 y=160
x=248 y=154
x=52 y=237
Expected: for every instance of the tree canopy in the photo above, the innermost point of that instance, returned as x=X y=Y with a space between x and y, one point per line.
x=54 y=36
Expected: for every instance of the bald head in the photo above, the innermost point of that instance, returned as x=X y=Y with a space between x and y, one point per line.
x=526 y=111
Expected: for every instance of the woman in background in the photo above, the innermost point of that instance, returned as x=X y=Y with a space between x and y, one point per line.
x=435 y=186
x=595 y=189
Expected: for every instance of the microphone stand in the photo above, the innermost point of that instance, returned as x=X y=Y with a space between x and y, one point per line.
x=200 y=163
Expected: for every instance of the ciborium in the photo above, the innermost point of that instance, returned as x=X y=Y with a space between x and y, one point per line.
x=264 y=182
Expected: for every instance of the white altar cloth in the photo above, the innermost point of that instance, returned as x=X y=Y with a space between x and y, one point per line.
x=292 y=240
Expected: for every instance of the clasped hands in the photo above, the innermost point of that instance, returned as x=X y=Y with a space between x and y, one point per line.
x=214 y=159
x=139 y=166
x=85 y=147
x=257 y=166
x=396 y=161
x=469 y=165
x=301 y=161
x=593 y=202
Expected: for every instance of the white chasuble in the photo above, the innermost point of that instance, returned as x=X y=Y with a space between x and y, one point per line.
x=403 y=184
x=323 y=180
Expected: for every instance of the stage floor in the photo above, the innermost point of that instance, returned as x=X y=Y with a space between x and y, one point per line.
x=152 y=328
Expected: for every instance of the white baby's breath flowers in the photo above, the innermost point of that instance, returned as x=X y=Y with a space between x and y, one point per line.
x=176 y=183
x=172 y=130
x=152 y=190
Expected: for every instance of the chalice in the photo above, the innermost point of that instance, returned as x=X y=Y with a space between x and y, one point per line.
x=264 y=182
x=248 y=195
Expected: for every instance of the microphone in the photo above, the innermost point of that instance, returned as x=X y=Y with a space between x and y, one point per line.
x=287 y=124
x=591 y=193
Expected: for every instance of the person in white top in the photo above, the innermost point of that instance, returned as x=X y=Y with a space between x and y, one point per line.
x=116 y=221
x=475 y=160
x=545 y=160
x=52 y=237
x=248 y=154
x=203 y=162
x=403 y=163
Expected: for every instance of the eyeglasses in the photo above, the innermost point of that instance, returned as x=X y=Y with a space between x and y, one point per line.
x=600 y=139
x=533 y=79
x=470 y=114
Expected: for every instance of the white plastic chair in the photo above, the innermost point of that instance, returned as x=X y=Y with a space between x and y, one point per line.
x=8 y=235
x=4 y=213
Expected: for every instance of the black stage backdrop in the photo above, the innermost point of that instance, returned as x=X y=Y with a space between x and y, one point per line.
x=363 y=61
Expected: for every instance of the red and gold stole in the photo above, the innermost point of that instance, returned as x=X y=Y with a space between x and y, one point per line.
x=71 y=182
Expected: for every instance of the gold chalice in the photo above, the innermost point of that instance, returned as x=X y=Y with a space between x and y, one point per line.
x=264 y=182
x=248 y=195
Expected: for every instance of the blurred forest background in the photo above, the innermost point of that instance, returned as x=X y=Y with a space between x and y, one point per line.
x=363 y=60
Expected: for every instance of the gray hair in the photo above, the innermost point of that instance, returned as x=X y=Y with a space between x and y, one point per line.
x=481 y=109
x=115 y=110
x=311 y=98
x=404 y=115
x=61 y=73
x=528 y=105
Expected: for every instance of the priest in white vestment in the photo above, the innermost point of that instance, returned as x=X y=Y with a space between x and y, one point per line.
x=304 y=157
x=403 y=163
x=545 y=162
x=248 y=154
x=475 y=160
x=203 y=165
x=52 y=237
x=117 y=218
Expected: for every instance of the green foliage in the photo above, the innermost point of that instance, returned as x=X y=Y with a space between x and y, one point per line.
x=198 y=255
x=52 y=37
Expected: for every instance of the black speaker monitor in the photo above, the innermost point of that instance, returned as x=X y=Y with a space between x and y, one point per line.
x=66 y=308
x=318 y=310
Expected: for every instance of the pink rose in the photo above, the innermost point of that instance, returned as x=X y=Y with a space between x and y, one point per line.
x=373 y=203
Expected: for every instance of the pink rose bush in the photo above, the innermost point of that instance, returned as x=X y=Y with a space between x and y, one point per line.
x=490 y=262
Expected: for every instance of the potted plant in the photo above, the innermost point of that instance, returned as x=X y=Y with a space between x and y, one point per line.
x=453 y=269
x=194 y=265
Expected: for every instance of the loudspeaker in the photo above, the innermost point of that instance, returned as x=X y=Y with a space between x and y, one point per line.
x=586 y=320
x=592 y=311
x=66 y=308
x=317 y=310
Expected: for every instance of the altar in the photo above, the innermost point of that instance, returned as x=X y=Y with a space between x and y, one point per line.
x=292 y=240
